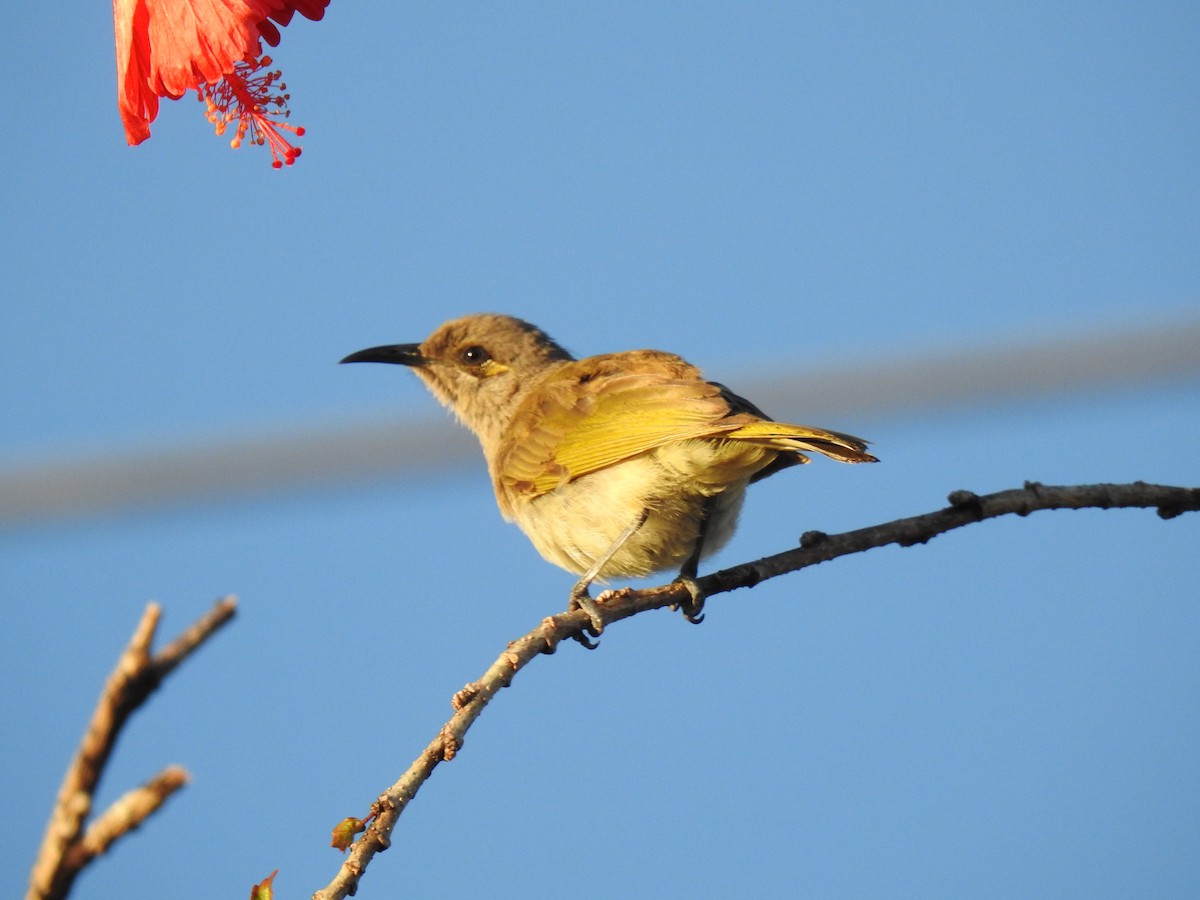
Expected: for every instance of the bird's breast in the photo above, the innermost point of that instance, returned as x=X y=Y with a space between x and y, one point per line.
x=577 y=522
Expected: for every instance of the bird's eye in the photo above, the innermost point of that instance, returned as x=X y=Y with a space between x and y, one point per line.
x=474 y=355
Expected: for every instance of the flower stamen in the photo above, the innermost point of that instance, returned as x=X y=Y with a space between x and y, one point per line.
x=254 y=96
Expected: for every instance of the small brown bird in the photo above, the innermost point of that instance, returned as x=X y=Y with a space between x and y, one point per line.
x=614 y=466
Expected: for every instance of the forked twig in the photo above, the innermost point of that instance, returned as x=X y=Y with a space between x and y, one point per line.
x=66 y=847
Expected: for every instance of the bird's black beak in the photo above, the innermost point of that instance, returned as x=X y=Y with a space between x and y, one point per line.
x=397 y=354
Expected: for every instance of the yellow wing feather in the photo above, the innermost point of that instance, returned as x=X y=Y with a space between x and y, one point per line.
x=589 y=415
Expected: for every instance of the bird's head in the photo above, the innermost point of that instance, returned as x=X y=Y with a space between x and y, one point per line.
x=480 y=366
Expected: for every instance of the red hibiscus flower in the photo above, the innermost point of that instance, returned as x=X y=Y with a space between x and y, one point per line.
x=167 y=47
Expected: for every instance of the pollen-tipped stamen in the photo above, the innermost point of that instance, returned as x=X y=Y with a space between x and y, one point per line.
x=252 y=94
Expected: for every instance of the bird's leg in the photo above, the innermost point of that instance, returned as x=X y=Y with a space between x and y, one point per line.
x=580 y=598
x=692 y=609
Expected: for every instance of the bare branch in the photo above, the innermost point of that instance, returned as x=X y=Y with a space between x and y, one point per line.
x=126 y=814
x=815 y=547
x=965 y=508
x=65 y=848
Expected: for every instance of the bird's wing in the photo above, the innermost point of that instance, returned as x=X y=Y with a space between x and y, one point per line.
x=589 y=417
x=591 y=414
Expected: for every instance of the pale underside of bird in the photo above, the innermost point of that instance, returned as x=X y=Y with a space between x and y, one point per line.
x=614 y=466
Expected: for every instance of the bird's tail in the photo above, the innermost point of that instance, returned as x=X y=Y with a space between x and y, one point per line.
x=800 y=438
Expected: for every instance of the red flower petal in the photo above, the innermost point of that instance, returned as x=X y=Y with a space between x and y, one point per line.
x=168 y=47
x=281 y=13
x=200 y=40
x=137 y=103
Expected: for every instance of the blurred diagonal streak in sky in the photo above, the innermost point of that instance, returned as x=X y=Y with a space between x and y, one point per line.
x=316 y=457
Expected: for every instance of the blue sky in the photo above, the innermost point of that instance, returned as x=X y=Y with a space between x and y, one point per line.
x=1012 y=709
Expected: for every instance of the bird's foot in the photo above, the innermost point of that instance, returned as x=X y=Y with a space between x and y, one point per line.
x=581 y=599
x=692 y=608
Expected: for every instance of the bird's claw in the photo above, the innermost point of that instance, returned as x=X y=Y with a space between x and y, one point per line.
x=693 y=607
x=581 y=599
x=581 y=638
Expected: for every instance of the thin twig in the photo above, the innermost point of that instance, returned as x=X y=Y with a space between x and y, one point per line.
x=815 y=547
x=126 y=814
x=65 y=848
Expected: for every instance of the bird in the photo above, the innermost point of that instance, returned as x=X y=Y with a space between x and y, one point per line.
x=620 y=465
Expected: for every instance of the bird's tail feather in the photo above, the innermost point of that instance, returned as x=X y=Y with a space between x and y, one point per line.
x=799 y=438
